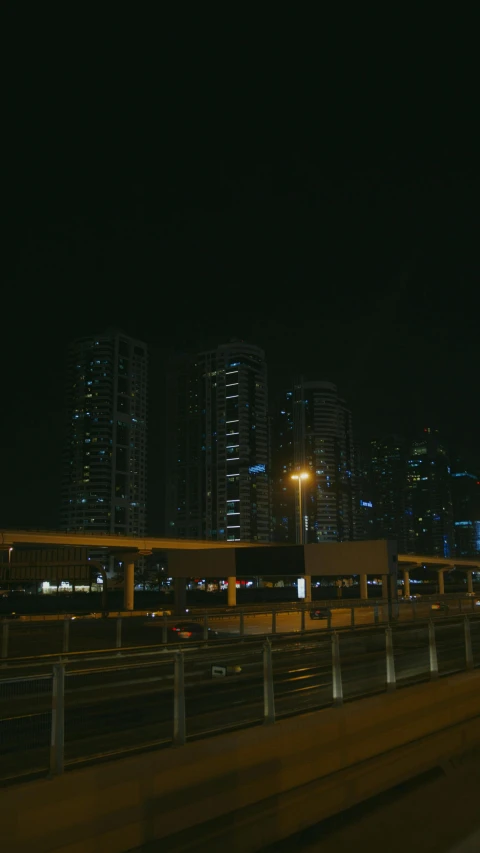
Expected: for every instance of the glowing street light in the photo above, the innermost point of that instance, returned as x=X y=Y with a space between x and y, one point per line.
x=302 y=475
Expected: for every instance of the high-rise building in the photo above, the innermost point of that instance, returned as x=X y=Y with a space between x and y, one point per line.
x=388 y=472
x=218 y=445
x=364 y=488
x=466 y=513
x=104 y=484
x=428 y=498
x=323 y=446
x=283 y=491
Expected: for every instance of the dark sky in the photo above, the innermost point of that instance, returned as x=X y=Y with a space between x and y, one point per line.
x=319 y=198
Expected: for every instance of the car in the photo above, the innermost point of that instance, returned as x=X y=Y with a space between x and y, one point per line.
x=320 y=613
x=440 y=605
x=191 y=631
x=155 y=613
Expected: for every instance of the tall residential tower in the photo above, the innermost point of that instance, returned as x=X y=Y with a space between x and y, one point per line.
x=217 y=445
x=428 y=498
x=312 y=432
x=104 y=484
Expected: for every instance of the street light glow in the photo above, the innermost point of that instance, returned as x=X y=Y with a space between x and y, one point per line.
x=303 y=476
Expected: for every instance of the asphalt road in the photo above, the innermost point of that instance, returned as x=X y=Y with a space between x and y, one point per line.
x=41 y=638
x=128 y=706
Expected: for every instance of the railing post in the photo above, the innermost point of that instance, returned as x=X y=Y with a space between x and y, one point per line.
x=119 y=632
x=391 y=679
x=337 y=686
x=165 y=630
x=432 y=646
x=57 y=738
x=274 y=622
x=66 y=635
x=468 y=643
x=352 y=618
x=268 y=690
x=414 y=609
x=375 y=613
x=242 y=623
x=302 y=619
x=5 y=630
x=329 y=621
x=205 y=627
x=179 y=722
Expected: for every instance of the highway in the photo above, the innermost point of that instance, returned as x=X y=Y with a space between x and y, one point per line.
x=130 y=706
x=28 y=638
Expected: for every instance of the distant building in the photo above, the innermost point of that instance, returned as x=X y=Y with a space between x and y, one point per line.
x=364 y=495
x=104 y=482
x=218 y=484
x=428 y=498
x=466 y=513
x=323 y=446
x=388 y=478
x=283 y=491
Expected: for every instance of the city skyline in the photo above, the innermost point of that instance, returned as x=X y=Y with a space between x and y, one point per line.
x=157 y=469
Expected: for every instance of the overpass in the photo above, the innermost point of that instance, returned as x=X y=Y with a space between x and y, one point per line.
x=208 y=558
x=409 y=562
x=194 y=558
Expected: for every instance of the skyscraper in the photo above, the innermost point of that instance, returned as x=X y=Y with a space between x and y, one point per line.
x=283 y=493
x=466 y=513
x=323 y=446
x=217 y=445
x=388 y=472
x=428 y=498
x=104 y=484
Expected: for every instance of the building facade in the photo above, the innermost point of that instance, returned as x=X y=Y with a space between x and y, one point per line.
x=323 y=447
x=429 y=509
x=466 y=513
x=218 y=483
x=104 y=482
x=283 y=491
x=388 y=477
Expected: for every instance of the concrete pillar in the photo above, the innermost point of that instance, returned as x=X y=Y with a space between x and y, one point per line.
x=406 y=583
x=363 y=586
x=129 y=586
x=385 y=579
x=441 y=582
x=470 y=580
x=180 y=592
x=308 y=589
x=232 y=592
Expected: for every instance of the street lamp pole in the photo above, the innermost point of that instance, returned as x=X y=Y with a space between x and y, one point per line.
x=300 y=510
x=299 y=477
x=303 y=475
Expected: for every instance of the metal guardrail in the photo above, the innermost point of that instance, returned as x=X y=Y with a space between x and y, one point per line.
x=77 y=713
x=78 y=633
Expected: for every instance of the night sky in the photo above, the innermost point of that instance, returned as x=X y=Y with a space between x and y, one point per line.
x=318 y=199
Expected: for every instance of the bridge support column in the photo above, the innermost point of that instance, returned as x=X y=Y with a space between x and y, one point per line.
x=406 y=583
x=232 y=592
x=308 y=589
x=441 y=582
x=470 y=580
x=363 y=586
x=129 y=586
x=180 y=588
x=385 y=580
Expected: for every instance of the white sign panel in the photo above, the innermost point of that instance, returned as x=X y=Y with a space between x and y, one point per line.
x=219 y=671
x=301 y=587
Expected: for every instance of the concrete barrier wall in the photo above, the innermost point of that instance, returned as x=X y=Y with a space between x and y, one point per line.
x=248 y=788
